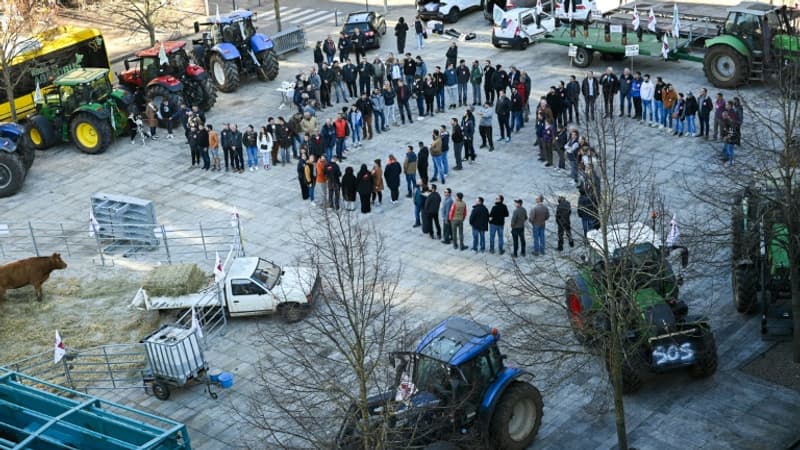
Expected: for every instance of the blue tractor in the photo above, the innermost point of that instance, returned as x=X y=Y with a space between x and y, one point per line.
x=16 y=158
x=455 y=386
x=230 y=46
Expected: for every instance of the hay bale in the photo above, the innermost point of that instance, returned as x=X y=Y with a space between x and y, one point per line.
x=174 y=280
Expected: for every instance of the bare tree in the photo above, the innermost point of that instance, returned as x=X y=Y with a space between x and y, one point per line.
x=146 y=15
x=276 y=5
x=556 y=307
x=19 y=20
x=319 y=372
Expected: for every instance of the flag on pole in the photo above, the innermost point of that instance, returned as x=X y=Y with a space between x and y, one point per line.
x=635 y=21
x=539 y=8
x=664 y=46
x=676 y=22
x=219 y=19
x=58 y=351
x=196 y=324
x=218 y=269
x=234 y=217
x=93 y=224
x=674 y=234
x=162 y=55
x=651 y=21
x=37 y=96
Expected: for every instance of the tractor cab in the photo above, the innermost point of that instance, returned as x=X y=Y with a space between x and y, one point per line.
x=164 y=59
x=235 y=27
x=83 y=87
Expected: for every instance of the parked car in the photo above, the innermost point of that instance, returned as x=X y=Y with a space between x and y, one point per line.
x=446 y=11
x=505 y=5
x=371 y=24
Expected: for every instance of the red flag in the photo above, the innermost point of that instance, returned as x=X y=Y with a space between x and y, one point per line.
x=218 y=274
x=59 y=351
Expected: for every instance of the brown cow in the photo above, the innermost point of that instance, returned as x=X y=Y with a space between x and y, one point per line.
x=27 y=271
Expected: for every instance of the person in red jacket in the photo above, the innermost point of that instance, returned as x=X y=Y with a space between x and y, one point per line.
x=342 y=129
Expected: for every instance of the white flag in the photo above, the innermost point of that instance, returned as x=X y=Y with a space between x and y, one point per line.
x=539 y=8
x=93 y=224
x=196 y=324
x=635 y=21
x=37 y=96
x=664 y=46
x=651 y=21
x=234 y=217
x=218 y=274
x=162 y=55
x=219 y=19
x=674 y=234
x=676 y=22
x=58 y=351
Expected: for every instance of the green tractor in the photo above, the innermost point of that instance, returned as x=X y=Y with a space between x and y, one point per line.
x=81 y=107
x=658 y=335
x=758 y=40
x=760 y=236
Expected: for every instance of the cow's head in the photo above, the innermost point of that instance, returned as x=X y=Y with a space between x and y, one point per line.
x=57 y=262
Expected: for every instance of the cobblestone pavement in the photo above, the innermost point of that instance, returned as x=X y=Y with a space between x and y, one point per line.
x=729 y=410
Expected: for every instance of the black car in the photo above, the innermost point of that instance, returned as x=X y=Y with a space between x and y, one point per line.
x=371 y=24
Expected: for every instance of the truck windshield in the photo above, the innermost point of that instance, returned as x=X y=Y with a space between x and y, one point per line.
x=267 y=273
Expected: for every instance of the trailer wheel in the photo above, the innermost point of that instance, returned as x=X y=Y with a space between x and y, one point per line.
x=583 y=57
x=707 y=365
x=517 y=418
x=160 y=390
x=744 y=282
x=725 y=67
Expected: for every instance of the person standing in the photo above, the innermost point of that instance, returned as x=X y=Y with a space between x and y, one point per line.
x=445 y=138
x=679 y=113
x=468 y=128
x=202 y=146
x=342 y=129
x=538 y=218
x=350 y=75
x=378 y=72
x=563 y=213
x=364 y=187
x=151 y=113
x=457 y=136
x=497 y=221
x=447 y=225
x=625 y=82
x=377 y=183
x=422 y=163
x=488 y=76
x=499 y=79
x=250 y=141
x=573 y=95
x=282 y=136
x=213 y=147
x=419 y=30
x=647 y=92
x=419 y=204
x=166 y=113
x=706 y=106
x=719 y=107
x=669 y=98
x=392 y=176
x=302 y=177
x=400 y=32
x=690 y=111
x=475 y=79
x=431 y=209
x=333 y=175
x=349 y=184
x=409 y=70
x=452 y=55
x=410 y=169
x=479 y=221
x=236 y=143
x=610 y=84
x=377 y=111
x=451 y=85
x=457 y=215
x=518 y=219
x=463 y=75
x=548 y=141
x=321 y=182
x=364 y=104
x=587 y=210
x=365 y=71
x=636 y=95
x=225 y=138
x=485 y=117
x=503 y=111
x=344 y=46
x=438 y=80
x=403 y=97
x=516 y=110
x=436 y=155
x=329 y=48
x=590 y=88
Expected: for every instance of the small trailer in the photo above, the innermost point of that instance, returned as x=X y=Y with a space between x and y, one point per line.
x=35 y=414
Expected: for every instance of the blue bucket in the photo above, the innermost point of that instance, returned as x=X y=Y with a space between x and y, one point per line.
x=225 y=380
x=214 y=377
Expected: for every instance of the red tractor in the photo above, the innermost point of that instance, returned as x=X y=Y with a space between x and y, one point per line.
x=165 y=71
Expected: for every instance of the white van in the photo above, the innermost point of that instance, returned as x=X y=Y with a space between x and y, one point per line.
x=520 y=27
x=446 y=10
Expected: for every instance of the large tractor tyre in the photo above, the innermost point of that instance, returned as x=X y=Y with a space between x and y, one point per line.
x=745 y=288
x=200 y=93
x=158 y=93
x=724 y=67
x=517 y=417
x=269 y=65
x=632 y=379
x=26 y=152
x=707 y=365
x=583 y=57
x=90 y=134
x=40 y=132
x=737 y=228
x=12 y=174
x=224 y=73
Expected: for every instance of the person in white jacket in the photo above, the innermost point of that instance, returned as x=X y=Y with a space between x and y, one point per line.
x=265 y=140
x=648 y=91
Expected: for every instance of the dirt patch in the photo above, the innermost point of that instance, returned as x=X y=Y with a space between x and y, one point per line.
x=86 y=311
x=776 y=366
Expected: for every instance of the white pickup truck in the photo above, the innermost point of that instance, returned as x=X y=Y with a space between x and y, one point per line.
x=446 y=10
x=519 y=27
x=250 y=286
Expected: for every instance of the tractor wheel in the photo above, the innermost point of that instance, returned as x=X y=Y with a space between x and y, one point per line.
x=291 y=312
x=583 y=57
x=631 y=374
x=707 y=365
x=725 y=67
x=158 y=93
x=12 y=174
x=224 y=73
x=453 y=15
x=200 y=93
x=517 y=417
x=160 y=390
x=745 y=288
x=90 y=134
x=737 y=227
x=26 y=152
x=269 y=65
x=40 y=132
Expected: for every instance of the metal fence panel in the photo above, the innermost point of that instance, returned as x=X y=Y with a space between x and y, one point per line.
x=293 y=38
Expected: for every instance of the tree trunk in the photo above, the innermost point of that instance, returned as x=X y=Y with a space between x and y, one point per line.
x=151 y=32
x=616 y=362
x=8 y=84
x=276 y=4
x=794 y=282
